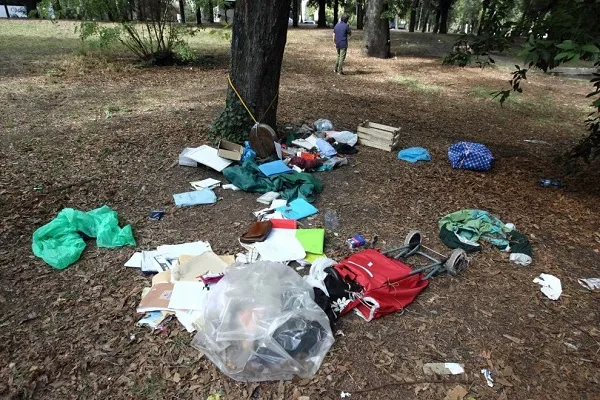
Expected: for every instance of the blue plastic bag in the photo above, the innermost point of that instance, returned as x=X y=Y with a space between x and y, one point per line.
x=414 y=154
x=469 y=155
x=323 y=125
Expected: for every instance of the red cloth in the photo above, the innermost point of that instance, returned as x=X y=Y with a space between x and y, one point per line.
x=386 y=285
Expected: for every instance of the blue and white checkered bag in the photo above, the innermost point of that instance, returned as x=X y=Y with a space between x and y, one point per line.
x=468 y=155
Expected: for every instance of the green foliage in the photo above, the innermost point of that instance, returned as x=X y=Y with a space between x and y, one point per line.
x=479 y=46
x=233 y=123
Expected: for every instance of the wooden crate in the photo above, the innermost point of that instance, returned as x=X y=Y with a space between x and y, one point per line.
x=380 y=136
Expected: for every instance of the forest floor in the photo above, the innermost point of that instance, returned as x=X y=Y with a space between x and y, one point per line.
x=81 y=129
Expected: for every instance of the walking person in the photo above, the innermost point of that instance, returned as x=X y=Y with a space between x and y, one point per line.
x=341 y=31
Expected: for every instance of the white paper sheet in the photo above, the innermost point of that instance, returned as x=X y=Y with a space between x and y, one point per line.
x=188 y=296
x=551 y=286
x=135 y=261
x=208 y=156
x=187 y=319
x=209 y=183
x=281 y=245
x=278 y=203
x=208 y=262
x=191 y=248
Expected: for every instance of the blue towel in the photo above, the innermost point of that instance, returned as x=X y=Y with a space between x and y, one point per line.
x=414 y=154
x=297 y=209
x=274 y=168
x=468 y=155
x=325 y=148
x=204 y=196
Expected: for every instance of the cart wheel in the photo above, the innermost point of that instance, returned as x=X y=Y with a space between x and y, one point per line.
x=413 y=241
x=457 y=262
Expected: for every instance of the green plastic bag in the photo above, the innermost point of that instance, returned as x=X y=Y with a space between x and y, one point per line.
x=291 y=186
x=60 y=242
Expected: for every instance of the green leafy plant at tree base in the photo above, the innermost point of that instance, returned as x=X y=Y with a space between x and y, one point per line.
x=232 y=124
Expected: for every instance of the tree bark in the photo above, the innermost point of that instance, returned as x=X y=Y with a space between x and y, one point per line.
x=444 y=9
x=259 y=37
x=360 y=13
x=6 y=10
x=322 y=20
x=211 y=12
x=377 y=31
x=336 y=6
x=295 y=12
x=425 y=21
x=413 y=15
x=484 y=7
x=182 y=10
x=436 y=24
x=198 y=15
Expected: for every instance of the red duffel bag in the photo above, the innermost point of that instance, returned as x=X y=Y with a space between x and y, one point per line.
x=386 y=284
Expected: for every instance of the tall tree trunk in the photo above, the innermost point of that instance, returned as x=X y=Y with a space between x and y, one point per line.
x=425 y=22
x=444 y=9
x=211 y=12
x=182 y=10
x=258 y=41
x=295 y=12
x=484 y=7
x=336 y=6
x=413 y=15
x=360 y=14
x=377 y=31
x=322 y=20
x=198 y=15
x=436 y=24
x=6 y=11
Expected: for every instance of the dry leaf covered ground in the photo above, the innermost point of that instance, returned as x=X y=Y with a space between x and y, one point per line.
x=90 y=131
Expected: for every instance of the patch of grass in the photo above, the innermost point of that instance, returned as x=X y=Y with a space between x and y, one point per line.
x=415 y=85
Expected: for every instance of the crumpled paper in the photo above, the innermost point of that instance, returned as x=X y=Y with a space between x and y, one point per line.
x=551 y=286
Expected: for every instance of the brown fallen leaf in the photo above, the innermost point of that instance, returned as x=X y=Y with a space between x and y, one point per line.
x=458 y=393
x=176 y=378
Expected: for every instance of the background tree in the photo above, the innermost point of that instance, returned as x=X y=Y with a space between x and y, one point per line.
x=377 y=30
x=360 y=14
x=413 y=15
x=259 y=37
x=295 y=12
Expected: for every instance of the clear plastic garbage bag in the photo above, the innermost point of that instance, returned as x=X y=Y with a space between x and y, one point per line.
x=261 y=323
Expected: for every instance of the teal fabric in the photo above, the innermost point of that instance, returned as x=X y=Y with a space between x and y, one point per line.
x=60 y=242
x=475 y=225
x=291 y=186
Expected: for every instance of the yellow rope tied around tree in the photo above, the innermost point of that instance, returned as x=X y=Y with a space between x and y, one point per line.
x=246 y=107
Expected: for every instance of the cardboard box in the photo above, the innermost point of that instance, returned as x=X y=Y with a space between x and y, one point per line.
x=230 y=151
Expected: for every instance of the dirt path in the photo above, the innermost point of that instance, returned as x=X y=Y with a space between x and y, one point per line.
x=117 y=129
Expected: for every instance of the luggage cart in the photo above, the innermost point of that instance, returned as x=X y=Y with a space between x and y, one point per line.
x=453 y=264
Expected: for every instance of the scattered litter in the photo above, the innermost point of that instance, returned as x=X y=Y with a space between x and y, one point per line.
x=316 y=276
x=330 y=220
x=379 y=136
x=249 y=153
x=135 y=261
x=196 y=266
x=230 y=150
x=300 y=267
x=187 y=295
x=551 y=286
x=230 y=186
x=469 y=155
x=297 y=209
x=488 y=377
x=343 y=395
x=536 y=141
x=153 y=319
x=550 y=183
x=414 y=154
x=443 y=369
x=276 y=203
x=186 y=161
x=340 y=333
x=458 y=393
x=284 y=223
x=208 y=183
x=590 y=283
x=305 y=144
x=60 y=243
x=262 y=138
x=323 y=125
x=281 y=333
x=280 y=246
x=521 y=259
x=157 y=299
x=268 y=198
x=325 y=148
x=156 y=215
x=312 y=240
x=345 y=137
x=197 y=197
x=274 y=168
x=208 y=156
x=356 y=241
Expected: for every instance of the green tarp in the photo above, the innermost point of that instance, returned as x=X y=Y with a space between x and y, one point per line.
x=60 y=242
x=291 y=186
